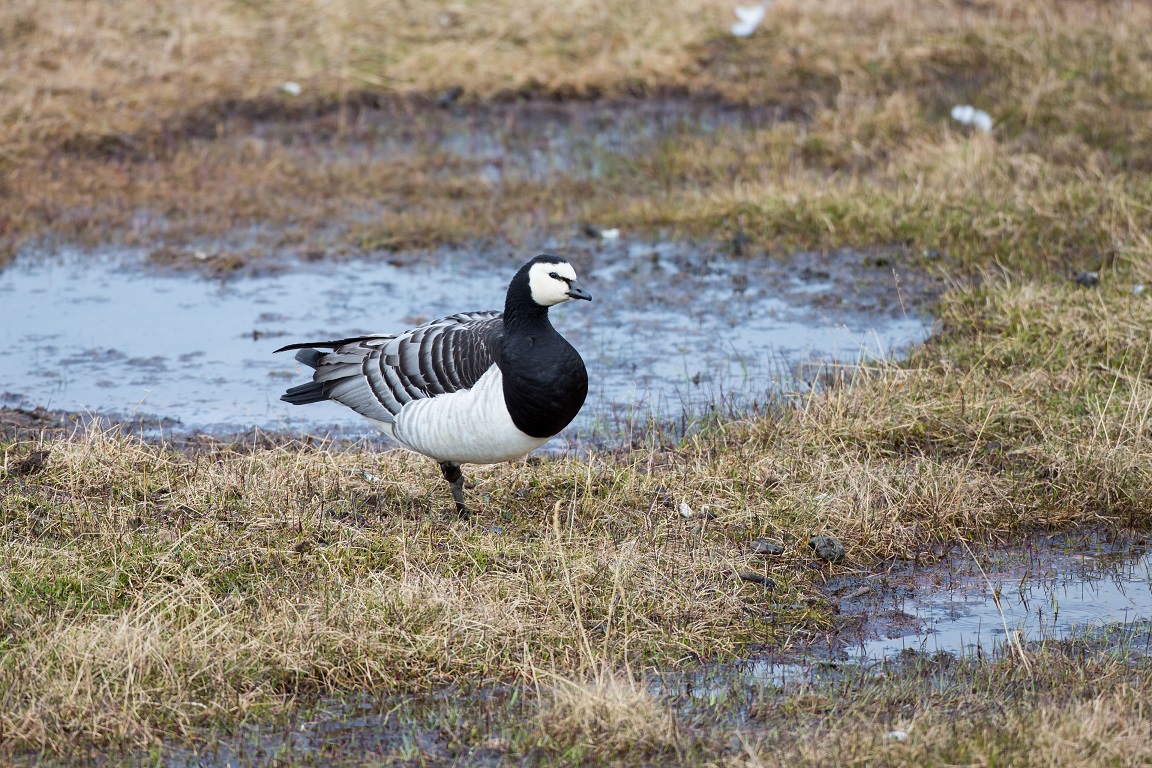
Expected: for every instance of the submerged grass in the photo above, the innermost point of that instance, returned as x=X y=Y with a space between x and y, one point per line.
x=916 y=711
x=1062 y=710
x=1065 y=708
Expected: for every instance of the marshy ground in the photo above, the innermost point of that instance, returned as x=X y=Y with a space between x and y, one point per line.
x=279 y=599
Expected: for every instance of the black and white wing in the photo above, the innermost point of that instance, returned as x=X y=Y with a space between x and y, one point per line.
x=376 y=375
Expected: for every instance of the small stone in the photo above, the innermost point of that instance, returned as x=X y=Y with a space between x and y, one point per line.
x=827 y=548
x=765 y=547
x=750 y=18
x=740 y=244
x=32 y=464
x=600 y=233
x=896 y=736
x=756 y=578
x=1138 y=289
x=966 y=114
x=685 y=510
x=1088 y=279
x=291 y=88
x=447 y=98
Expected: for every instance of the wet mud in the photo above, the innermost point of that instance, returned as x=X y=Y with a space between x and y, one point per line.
x=524 y=129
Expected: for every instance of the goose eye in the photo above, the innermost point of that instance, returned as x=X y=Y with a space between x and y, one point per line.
x=555 y=276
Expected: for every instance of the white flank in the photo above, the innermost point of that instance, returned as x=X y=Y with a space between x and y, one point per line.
x=472 y=426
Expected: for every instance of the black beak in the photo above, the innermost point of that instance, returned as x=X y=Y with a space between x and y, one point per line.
x=576 y=292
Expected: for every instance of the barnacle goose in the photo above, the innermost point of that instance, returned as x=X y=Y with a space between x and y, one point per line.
x=475 y=387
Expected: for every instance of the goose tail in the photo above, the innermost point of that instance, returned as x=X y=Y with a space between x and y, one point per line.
x=312 y=392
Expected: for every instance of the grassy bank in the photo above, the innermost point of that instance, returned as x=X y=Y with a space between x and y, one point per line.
x=147 y=124
x=157 y=590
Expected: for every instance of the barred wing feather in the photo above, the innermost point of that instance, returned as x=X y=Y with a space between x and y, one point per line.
x=377 y=375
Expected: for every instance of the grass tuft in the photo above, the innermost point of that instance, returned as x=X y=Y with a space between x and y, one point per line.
x=607 y=716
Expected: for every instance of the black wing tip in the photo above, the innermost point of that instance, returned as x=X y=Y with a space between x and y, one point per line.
x=330 y=344
x=302 y=345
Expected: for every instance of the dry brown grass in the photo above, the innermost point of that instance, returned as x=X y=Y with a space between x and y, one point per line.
x=138 y=122
x=156 y=591
x=607 y=715
x=131 y=64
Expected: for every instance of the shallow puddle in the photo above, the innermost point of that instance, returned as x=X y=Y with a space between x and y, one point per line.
x=1047 y=589
x=1052 y=594
x=673 y=330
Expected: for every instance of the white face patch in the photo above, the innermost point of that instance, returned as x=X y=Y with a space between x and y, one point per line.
x=546 y=289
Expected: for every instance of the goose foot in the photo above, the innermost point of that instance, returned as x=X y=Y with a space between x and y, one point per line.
x=452 y=474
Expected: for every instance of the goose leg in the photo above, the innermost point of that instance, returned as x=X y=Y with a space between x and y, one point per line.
x=455 y=480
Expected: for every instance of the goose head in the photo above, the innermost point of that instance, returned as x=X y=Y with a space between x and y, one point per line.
x=550 y=281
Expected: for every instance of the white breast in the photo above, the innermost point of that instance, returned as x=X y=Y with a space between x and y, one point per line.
x=468 y=427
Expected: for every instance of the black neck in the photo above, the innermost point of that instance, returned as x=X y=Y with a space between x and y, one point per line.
x=520 y=310
x=520 y=315
x=545 y=381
